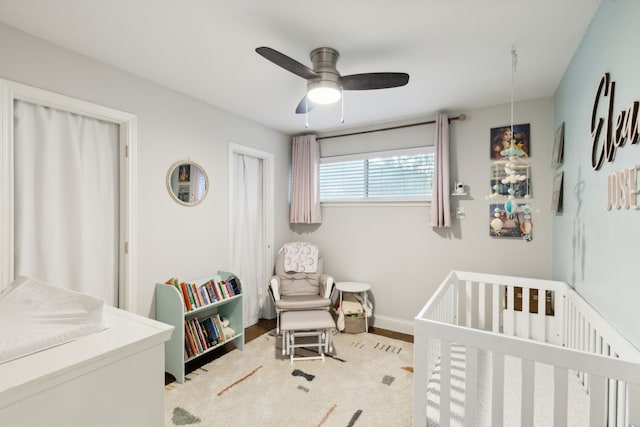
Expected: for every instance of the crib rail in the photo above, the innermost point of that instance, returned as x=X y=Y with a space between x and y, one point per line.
x=501 y=315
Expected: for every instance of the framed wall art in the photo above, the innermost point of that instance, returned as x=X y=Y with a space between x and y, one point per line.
x=501 y=138
x=518 y=186
x=557 y=156
x=556 y=199
x=509 y=222
x=184 y=173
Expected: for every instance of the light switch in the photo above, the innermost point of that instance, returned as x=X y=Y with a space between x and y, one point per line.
x=460 y=212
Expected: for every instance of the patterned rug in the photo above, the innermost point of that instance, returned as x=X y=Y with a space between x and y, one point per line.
x=366 y=381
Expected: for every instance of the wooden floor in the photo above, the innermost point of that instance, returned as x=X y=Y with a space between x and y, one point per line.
x=262 y=327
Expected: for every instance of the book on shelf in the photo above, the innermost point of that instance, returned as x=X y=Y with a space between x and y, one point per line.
x=189 y=345
x=212 y=334
x=194 y=338
x=215 y=334
x=204 y=294
x=185 y=296
x=196 y=296
x=218 y=322
x=200 y=335
x=216 y=290
x=208 y=287
x=223 y=289
x=235 y=284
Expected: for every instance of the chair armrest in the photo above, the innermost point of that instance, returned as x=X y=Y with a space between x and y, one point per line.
x=326 y=281
x=274 y=285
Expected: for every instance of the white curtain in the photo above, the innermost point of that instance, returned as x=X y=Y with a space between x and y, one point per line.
x=305 y=181
x=248 y=235
x=66 y=200
x=440 y=214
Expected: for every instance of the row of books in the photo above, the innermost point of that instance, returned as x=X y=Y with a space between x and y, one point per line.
x=200 y=335
x=195 y=296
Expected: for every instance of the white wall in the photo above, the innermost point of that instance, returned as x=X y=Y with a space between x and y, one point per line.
x=174 y=241
x=596 y=250
x=393 y=247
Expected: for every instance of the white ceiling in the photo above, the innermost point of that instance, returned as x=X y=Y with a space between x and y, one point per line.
x=457 y=52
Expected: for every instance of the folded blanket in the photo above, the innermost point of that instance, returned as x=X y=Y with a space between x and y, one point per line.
x=351 y=307
x=300 y=257
x=36 y=315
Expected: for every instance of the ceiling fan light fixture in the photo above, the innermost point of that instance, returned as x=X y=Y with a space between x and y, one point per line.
x=323 y=92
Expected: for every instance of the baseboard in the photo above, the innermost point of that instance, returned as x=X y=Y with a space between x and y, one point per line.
x=393 y=324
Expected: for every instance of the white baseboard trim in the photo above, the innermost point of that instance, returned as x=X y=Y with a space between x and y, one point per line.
x=393 y=324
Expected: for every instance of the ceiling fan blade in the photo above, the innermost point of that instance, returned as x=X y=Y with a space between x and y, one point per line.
x=287 y=63
x=305 y=106
x=368 y=81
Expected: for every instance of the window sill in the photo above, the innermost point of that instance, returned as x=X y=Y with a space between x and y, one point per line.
x=397 y=203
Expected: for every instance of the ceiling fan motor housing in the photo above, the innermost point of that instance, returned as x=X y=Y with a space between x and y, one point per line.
x=324 y=61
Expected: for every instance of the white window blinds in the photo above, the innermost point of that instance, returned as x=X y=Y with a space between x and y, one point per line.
x=398 y=175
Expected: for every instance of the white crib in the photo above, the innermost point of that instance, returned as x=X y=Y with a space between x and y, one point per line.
x=488 y=353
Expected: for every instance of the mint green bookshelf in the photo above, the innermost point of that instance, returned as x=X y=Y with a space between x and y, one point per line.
x=170 y=310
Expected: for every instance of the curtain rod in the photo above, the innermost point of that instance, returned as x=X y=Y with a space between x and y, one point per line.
x=460 y=117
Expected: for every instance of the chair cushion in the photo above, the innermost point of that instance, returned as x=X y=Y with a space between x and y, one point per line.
x=302 y=302
x=298 y=283
x=306 y=320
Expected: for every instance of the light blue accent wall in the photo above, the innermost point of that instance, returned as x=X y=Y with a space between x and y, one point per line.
x=595 y=250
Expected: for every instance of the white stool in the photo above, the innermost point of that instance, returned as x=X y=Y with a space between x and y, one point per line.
x=309 y=323
x=356 y=287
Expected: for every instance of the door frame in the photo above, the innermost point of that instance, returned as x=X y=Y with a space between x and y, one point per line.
x=268 y=196
x=127 y=123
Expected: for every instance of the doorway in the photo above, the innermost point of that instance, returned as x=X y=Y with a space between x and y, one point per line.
x=251 y=227
x=124 y=126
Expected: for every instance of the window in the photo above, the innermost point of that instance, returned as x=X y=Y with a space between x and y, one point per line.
x=398 y=175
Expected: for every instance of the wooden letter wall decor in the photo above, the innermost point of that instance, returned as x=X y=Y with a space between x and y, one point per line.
x=625 y=129
x=622 y=188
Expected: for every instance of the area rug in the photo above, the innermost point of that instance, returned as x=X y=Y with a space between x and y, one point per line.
x=366 y=381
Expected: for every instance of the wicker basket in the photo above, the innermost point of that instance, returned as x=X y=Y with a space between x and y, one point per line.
x=354 y=324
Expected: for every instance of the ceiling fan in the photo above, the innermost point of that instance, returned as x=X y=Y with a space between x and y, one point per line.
x=324 y=82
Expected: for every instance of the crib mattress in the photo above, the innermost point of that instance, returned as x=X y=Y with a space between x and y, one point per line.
x=35 y=316
x=578 y=404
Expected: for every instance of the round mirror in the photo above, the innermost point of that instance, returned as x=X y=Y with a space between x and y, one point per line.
x=187 y=182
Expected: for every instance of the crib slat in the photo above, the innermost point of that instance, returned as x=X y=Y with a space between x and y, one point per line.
x=574 y=327
x=496 y=308
x=540 y=324
x=582 y=333
x=482 y=306
x=581 y=341
x=448 y=305
x=470 y=306
x=510 y=322
x=471 y=386
x=621 y=402
x=445 y=383
x=569 y=332
x=597 y=401
x=560 y=396
x=559 y=312
x=526 y=304
x=497 y=390
x=528 y=371
x=460 y=305
x=612 y=398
